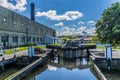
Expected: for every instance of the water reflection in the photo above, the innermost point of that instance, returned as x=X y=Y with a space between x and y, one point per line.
x=79 y=63
x=63 y=69
x=7 y=72
x=112 y=75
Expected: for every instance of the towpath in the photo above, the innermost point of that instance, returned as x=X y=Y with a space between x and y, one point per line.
x=100 y=53
x=18 y=54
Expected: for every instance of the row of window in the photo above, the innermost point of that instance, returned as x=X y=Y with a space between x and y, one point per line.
x=23 y=39
x=14 y=22
x=27 y=26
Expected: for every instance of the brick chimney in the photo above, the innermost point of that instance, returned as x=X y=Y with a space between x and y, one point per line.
x=32 y=11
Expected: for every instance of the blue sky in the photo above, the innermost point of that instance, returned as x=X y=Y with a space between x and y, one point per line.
x=68 y=17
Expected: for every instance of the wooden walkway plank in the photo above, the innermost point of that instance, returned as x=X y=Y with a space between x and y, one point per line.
x=24 y=70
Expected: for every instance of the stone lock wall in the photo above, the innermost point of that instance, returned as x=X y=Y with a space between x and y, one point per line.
x=103 y=63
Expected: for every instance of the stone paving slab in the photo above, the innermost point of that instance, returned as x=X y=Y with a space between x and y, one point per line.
x=100 y=53
x=18 y=54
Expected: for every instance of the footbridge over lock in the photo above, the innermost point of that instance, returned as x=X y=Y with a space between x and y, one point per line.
x=74 y=49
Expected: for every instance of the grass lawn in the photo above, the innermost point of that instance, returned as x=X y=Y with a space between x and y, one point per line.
x=11 y=51
x=42 y=47
x=55 y=44
x=89 y=44
x=102 y=47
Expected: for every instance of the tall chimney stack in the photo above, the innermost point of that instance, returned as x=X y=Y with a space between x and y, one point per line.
x=32 y=11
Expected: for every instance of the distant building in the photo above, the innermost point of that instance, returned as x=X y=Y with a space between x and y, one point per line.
x=87 y=39
x=84 y=39
x=17 y=30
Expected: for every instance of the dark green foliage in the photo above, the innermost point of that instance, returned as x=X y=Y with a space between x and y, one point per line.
x=108 y=27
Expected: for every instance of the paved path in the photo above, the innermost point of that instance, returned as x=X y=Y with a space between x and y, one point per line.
x=18 y=54
x=100 y=53
x=23 y=53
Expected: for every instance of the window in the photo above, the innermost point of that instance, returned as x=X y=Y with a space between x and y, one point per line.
x=29 y=38
x=4 y=38
x=37 y=39
x=22 y=24
x=14 y=22
x=40 y=39
x=15 y=39
x=4 y=20
x=33 y=39
x=23 y=39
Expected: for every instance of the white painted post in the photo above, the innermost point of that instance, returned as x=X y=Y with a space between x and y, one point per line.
x=108 y=55
x=105 y=52
x=32 y=51
x=108 y=52
x=29 y=51
x=3 y=56
x=14 y=52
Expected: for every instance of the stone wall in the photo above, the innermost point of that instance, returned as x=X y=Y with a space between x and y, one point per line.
x=103 y=63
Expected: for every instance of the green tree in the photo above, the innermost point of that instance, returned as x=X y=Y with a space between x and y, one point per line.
x=65 y=39
x=95 y=39
x=108 y=27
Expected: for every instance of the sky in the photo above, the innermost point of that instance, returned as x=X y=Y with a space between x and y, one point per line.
x=67 y=17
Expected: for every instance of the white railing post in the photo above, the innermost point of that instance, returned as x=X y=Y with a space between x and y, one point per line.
x=32 y=51
x=29 y=51
x=3 y=56
x=14 y=52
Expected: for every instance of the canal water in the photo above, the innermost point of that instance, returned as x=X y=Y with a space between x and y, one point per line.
x=112 y=74
x=8 y=72
x=60 y=68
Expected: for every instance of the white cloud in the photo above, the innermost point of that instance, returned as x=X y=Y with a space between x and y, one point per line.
x=91 y=31
x=20 y=5
x=91 y=22
x=64 y=29
x=80 y=22
x=82 y=28
x=52 y=14
x=59 y=24
x=52 y=68
x=76 y=31
x=74 y=25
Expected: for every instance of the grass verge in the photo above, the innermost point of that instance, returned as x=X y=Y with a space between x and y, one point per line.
x=55 y=44
x=11 y=51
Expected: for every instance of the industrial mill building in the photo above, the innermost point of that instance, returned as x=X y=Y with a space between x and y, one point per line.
x=17 y=30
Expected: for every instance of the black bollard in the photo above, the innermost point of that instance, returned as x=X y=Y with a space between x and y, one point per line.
x=108 y=64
